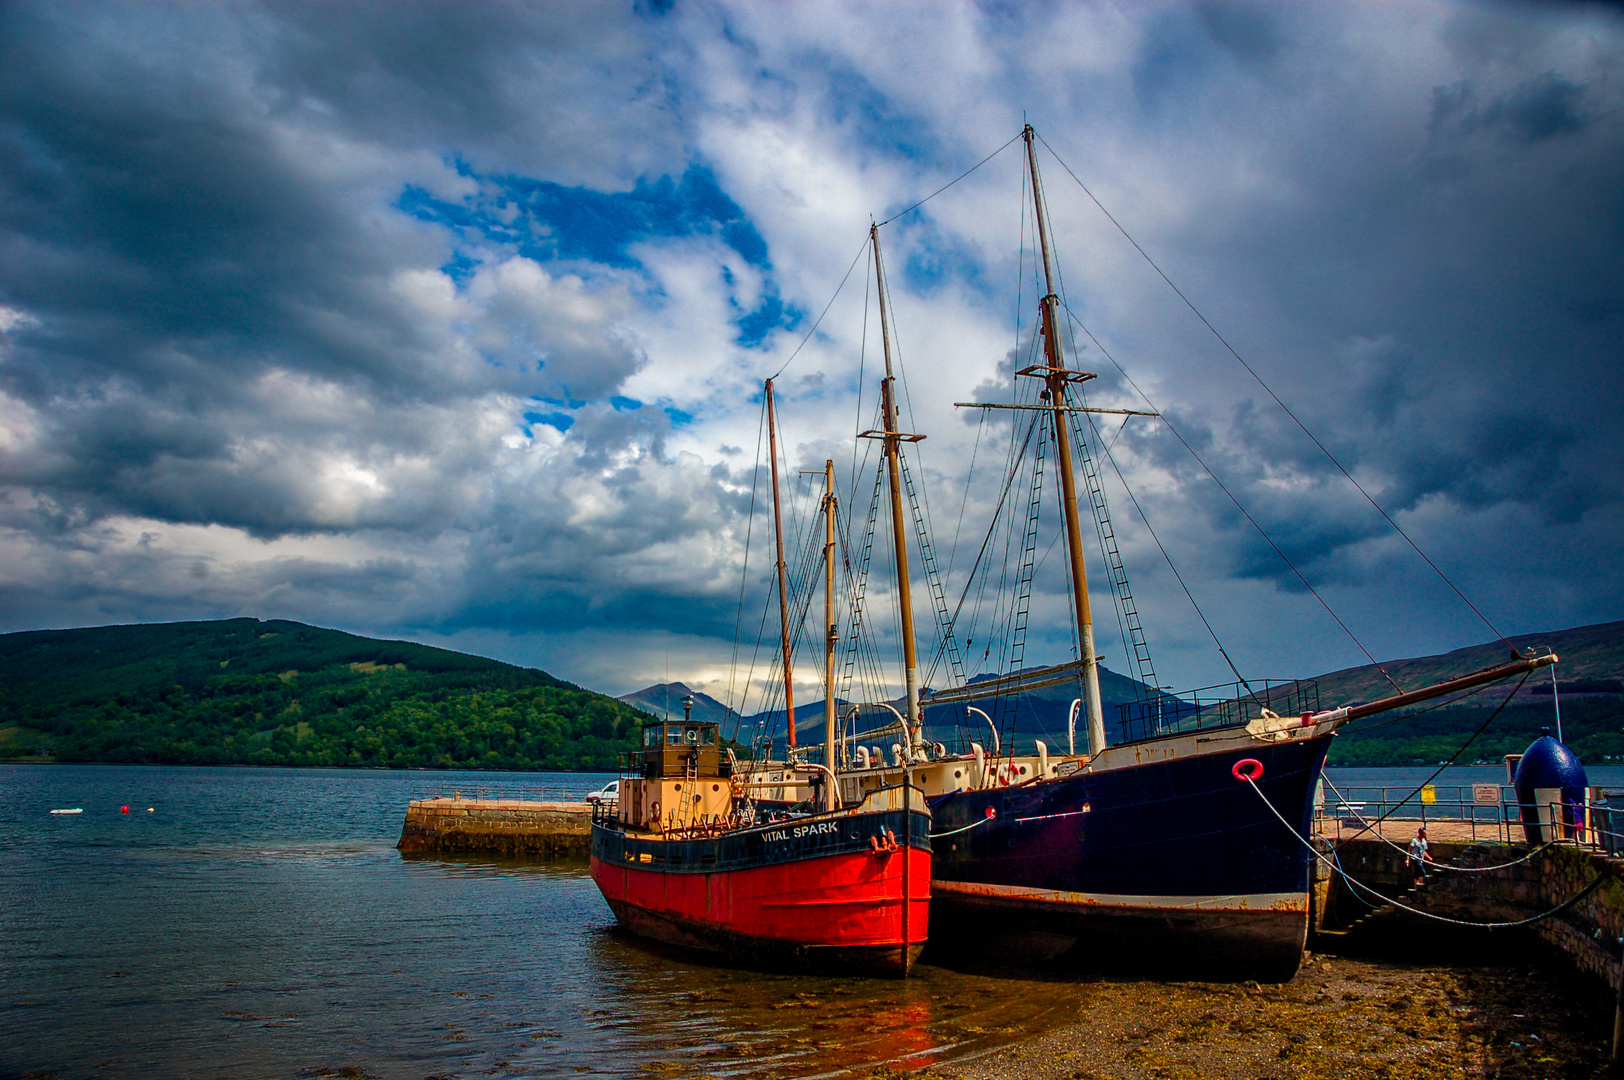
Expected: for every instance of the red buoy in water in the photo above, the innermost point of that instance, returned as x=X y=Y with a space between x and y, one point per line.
x=124 y=809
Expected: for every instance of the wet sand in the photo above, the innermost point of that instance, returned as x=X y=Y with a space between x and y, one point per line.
x=1364 y=1011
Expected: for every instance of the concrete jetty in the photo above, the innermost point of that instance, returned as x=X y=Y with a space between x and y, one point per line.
x=513 y=828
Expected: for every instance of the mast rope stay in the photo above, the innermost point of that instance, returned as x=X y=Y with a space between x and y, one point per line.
x=950 y=183
x=1162 y=416
x=1277 y=400
x=826 y=307
x=744 y=576
x=1459 y=750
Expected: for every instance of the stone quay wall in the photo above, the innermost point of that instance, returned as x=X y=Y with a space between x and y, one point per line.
x=1587 y=931
x=506 y=827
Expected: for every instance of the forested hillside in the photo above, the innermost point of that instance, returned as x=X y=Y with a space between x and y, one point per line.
x=246 y=692
x=1588 y=689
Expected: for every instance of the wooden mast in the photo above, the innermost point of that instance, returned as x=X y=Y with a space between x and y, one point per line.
x=832 y=634
x=1057 y=379
x=899 y=533
x=782 y=570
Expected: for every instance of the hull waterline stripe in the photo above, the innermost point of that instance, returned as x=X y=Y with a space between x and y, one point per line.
x=1287 y=901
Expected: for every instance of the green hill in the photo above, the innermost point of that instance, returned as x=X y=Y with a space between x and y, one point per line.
x=1591 y=695
x=246 y=692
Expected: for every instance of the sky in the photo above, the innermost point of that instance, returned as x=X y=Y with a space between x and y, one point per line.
x=449 y=322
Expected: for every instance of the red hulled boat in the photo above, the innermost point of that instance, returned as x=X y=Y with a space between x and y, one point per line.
x=685 y=858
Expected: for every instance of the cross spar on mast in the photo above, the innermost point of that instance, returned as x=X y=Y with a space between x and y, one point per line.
x=1057 y=378
x=781 y=569
x=899 y=539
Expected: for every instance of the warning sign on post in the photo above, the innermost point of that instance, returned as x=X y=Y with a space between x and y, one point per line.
x=1486 y=793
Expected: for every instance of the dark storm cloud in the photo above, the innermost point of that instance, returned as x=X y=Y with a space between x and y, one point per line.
x=1541 y=108
x=345 y=308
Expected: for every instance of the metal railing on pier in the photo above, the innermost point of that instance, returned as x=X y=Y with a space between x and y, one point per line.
x=550 y=790
x=1472 y=813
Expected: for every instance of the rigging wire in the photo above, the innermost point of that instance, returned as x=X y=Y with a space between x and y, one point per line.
x=950 y=183
x=1250 y=371
x=815 y=325
x=1481 y=728
x=1171 y=566
x=1244 y=512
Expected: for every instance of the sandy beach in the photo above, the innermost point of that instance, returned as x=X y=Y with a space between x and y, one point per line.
x=1503 y=1009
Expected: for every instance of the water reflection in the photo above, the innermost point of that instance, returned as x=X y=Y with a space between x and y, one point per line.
x=734 y=1023
x=269 y=941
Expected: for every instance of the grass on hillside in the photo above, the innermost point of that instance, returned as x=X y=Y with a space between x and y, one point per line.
x=242 y=692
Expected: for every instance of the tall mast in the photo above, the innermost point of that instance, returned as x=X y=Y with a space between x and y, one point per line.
x=832 y=792
x=899 y=533
x=1057 y=379
x=782 y=570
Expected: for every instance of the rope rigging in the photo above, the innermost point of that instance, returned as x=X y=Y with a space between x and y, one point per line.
x=1284 y=407
x=1360 y=887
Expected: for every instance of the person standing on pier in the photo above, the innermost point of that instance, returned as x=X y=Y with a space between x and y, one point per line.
x=1418 y=854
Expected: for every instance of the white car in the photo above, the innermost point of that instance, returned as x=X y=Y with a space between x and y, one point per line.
x=610 y=792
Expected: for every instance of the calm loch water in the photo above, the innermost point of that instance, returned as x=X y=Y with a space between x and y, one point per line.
x=259 y=923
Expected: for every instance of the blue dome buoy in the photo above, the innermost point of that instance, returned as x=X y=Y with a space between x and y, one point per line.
x=1550 y=774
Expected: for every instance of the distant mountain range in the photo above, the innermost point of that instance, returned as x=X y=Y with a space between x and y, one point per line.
x=242 y=691
x=665 y=699
x=1591 y=678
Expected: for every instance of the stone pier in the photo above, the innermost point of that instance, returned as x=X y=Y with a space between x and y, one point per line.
x=1586 y=930
x=506 y=827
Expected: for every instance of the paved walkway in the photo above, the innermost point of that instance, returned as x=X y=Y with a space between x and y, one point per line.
x=1402 y=830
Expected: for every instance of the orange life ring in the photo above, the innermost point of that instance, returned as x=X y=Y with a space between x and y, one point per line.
x=654 y=810
x=1247 y=769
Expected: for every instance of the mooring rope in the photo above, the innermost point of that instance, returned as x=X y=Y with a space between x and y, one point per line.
x=1336 y=865
x=955 y=832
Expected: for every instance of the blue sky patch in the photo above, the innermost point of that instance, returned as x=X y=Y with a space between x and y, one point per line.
x=545 y=221
x=770 y=313
x=678 y=416
x=625 y=404
x=561 y=421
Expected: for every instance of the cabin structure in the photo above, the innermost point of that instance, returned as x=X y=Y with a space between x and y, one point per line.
x=680 y=777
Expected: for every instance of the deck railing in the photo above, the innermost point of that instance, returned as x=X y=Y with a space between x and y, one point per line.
x=1224 y=705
